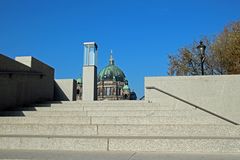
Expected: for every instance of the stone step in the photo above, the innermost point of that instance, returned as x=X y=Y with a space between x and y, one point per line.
x=70 y=108
x=111 y=120
x=53 y=143
x=97 y=105
x=101 y=108
x=43 y=113
x=157 y=120
x=147 y=113
x=101 y=103
x=46 y=120
x=115 y=104
x=120 y=130
x=170 y=130
x=129 y=108
x=49 y=129
x=176 y=144
x=159 y=144
x=129 y=155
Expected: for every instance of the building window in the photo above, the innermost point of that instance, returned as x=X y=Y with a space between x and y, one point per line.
x=105 y=91
x=108 y=91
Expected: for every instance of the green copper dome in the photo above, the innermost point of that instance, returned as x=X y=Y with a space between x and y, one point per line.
x=111 y=72
x=79 y=80
x=126 y=88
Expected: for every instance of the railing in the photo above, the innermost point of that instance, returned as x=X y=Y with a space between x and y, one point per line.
x=191 y=104
x=142 y=98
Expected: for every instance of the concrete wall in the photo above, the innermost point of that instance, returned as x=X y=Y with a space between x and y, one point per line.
x=65 y=90
x=8 y=64
x=47 y=81
x=219 y=94
x=24 y=83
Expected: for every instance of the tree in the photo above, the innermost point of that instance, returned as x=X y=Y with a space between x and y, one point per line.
x=226 y=49
x=222 y=55
x=188 y=61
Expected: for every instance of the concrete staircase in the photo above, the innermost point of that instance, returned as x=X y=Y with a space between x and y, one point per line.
x=116 y=126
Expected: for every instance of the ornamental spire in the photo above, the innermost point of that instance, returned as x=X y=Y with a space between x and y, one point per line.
x=111 y=60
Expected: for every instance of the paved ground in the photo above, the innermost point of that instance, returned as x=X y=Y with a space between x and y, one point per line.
x=68 y=155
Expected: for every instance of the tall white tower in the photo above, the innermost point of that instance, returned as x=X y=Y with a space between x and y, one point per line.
x=90 y=72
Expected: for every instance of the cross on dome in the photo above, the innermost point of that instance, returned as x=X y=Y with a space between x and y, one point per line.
x=111 y=60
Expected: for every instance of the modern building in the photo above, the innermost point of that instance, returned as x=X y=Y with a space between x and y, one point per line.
x=112 y=84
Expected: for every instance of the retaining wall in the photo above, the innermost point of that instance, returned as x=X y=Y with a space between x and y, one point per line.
x=24 y=81
x=219 y=94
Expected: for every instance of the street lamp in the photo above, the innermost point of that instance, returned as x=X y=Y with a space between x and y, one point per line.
x=201 y=47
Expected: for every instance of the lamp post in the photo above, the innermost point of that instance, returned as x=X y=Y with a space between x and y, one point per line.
x=201 y=47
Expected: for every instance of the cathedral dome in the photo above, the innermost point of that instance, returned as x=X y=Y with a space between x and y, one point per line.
x=111 y=72
x=79 y=80
x=126 y=88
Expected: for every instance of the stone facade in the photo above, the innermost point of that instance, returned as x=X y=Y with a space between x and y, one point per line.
x=112 y=90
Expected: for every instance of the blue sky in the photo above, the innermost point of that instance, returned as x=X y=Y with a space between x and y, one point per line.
x=141 y=33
